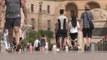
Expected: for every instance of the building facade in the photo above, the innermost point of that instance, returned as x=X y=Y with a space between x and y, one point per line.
x=42 y=14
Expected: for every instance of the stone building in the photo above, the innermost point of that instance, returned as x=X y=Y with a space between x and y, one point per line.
x=42 y=14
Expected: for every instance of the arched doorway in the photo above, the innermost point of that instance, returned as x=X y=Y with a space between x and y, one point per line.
x=93 y=5
x=71 y=9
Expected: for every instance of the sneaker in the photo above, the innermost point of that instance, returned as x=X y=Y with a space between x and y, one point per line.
x=87 y=48
x=57 y=49
x=69 y=48
x=9 y=50
x=76 y=49
x=18 y=47
x=79 y=48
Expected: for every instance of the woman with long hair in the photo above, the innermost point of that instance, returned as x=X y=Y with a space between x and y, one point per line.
x=73 y=27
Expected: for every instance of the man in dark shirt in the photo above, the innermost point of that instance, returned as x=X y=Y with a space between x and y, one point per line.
x=61 y=27
x=13 y=17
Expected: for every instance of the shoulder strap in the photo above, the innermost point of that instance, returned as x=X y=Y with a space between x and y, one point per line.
x=87 y=16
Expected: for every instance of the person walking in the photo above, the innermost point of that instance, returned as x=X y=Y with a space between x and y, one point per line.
x=61 y=27
x=43 y=44
x=87 y=25
x=73 y=27
x=37 y=45
x=30 y=48
x=13 y=17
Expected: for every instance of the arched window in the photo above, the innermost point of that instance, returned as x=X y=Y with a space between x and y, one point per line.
x=93 y=4
x=71 y=9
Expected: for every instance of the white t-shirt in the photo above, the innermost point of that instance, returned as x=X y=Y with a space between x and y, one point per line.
x=74 y=29
x=36 y=43
x=61 y=18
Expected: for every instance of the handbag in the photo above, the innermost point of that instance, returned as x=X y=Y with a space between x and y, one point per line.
x=90 y=23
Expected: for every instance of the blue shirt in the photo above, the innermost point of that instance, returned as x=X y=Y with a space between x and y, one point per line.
x=85 y=17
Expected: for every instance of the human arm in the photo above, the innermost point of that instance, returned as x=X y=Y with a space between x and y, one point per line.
x=67 y=24
x=78 y=26
x=56 y=26
x=23 y=3
x=2 y=7
x=82 y=18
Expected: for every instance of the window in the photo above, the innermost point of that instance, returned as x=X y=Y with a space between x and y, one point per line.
x=32 y=7
x=33 y=23
x=48 y=9
x=40 y=8
x=49 y=24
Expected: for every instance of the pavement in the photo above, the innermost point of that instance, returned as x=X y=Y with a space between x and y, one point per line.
x=55 y=56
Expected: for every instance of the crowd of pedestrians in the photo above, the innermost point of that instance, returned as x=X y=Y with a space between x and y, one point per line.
x=66 y=32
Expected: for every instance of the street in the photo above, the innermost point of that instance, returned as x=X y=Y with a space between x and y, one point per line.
x=55 y=56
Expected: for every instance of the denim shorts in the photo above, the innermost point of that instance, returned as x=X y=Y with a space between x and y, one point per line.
x=87 y=32
x=12 y=22
x=62 y=33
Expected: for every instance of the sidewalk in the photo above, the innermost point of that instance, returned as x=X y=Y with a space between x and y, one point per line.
x=55 y=56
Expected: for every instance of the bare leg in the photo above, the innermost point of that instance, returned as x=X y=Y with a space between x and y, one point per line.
x=88 y=41
x=42 y=50
x=75 y=44
x=85 y=40
x=10 y=40
x=65 y=41
x=68 y=42
x=10 y=36
x=17 y=34
x=60 y=42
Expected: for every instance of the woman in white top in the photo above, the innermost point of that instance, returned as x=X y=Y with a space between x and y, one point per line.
x=73 y=27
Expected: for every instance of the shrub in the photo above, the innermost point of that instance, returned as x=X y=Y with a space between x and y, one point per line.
x=32 y=35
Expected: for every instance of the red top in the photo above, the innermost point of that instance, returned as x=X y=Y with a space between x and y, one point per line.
x=106 y=36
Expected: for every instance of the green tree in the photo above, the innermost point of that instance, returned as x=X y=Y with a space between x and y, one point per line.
x=32 y=35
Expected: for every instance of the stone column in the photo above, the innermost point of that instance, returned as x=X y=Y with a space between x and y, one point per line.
x=80 y=37
x=80 y=40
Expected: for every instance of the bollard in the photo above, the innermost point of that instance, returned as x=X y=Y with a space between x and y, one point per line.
x=25 y=49
x=92 y=47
